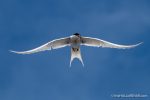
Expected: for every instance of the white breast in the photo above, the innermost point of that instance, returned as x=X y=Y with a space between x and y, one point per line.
x=75 y=41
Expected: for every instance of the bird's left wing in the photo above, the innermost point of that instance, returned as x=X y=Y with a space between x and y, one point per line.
x=88 y=41
x=54 y=44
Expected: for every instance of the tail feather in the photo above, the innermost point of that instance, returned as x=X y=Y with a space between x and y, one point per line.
x=76 y=54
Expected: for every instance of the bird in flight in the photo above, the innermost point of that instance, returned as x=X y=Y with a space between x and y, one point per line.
x=74 y=41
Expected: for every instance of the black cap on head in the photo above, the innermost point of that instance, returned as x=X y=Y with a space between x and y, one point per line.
x=77 y=34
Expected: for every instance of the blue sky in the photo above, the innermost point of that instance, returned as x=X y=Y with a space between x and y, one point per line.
x=46 y=76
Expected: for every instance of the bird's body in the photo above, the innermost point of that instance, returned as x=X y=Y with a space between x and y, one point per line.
x=75 y=41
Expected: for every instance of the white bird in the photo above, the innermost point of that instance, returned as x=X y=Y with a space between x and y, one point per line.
x=75 y=41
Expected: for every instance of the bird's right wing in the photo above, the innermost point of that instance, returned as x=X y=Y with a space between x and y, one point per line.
x=88 y=41
x=55 y=44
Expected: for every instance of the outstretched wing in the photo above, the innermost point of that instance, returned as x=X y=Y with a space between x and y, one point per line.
x=55 y=44
x=88 y=41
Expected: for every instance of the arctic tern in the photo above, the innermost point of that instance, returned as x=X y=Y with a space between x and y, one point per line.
x=75 y=41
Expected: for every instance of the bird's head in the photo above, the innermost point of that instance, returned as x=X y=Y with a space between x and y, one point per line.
x=77 y=34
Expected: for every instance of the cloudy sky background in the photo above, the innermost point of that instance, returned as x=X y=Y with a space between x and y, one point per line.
x=46 y=76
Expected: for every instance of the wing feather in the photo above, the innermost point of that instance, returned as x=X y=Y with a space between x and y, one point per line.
x=88 y=41
x=54 y=44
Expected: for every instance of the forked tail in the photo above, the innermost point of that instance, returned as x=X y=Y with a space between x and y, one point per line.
x=75 y=53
